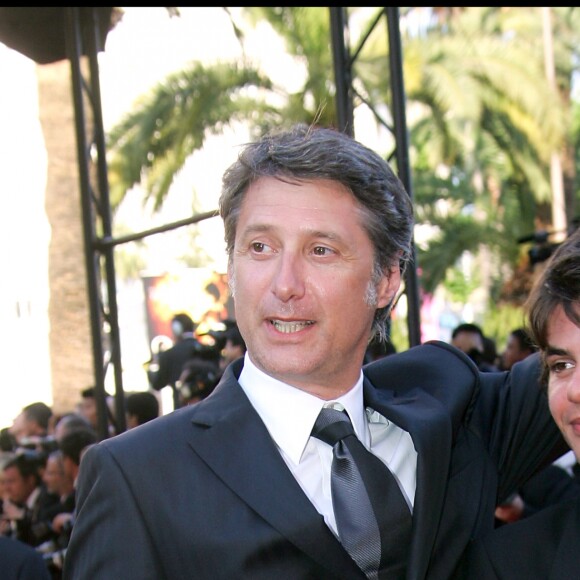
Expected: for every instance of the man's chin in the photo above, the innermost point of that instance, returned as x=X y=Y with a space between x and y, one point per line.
x=285 y=366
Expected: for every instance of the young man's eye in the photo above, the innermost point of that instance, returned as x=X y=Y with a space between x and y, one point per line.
x=322 y=251
x=560 y=366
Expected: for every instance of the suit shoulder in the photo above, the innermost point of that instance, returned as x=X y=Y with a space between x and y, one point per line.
x=431 y=363
x=151 y=436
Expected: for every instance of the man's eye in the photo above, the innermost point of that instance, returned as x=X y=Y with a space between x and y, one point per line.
x=322 y=251
x=258 y=247
x=560 y=366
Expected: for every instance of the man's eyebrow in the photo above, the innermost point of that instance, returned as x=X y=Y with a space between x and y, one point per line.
x=315 y=233
x=257 y=228
x=554 y=350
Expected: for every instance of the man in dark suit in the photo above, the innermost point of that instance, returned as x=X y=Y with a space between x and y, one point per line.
x=544 y=546
x=168 y=364
x=318 y=231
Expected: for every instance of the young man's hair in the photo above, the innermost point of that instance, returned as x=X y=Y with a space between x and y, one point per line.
x=557 y=285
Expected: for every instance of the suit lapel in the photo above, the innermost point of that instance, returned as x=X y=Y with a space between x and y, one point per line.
x=430 y=428
x=229 y=436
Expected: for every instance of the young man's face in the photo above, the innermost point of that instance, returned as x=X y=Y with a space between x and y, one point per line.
x=563 y=360
x=301 y=272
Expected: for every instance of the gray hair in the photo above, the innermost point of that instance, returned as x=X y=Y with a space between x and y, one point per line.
x=309 y=153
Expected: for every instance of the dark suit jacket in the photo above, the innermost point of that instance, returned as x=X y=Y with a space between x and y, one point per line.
x=542 y=547
x=19 y=561
x=204 y=493
x=171 y=363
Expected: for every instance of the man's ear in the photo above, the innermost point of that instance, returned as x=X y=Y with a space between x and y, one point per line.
x=388 y=287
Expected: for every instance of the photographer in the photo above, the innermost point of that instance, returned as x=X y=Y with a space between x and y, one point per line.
x=166 y=366
x=31 y=425
x=197 y=381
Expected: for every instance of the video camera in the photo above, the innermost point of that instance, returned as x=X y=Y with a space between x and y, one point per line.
x=542 y=248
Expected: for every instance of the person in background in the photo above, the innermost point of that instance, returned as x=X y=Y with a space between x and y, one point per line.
x=60 y=484
x=88 y=408
x=318 y=232
x=141 y=407
x=71 y=422
x=198 y=379
x=234 y=346
x=31 y=425
x=378 y=349
x=545 y=545
x=469 y=338
x=519 y=346
x=166 y=366
x=28 y=503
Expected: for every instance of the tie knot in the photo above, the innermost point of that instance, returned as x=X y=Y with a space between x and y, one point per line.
x=332 y=425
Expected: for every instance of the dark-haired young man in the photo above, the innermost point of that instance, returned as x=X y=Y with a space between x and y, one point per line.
x=545 y=545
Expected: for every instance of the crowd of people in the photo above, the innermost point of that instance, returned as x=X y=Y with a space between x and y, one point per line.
x=39 y=464
x=247 y=479
x=41 y=451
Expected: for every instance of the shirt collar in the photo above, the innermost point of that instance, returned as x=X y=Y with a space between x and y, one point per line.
x=289 y=413
x=31 y=499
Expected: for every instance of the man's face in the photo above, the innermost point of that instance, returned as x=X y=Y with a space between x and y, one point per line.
x=468 y=341
x=23 y=427
x=230 y=352
x=301 y=274
x=563 y=360
x=53 y=476
x=88 y=409
x=513 y=352
x=17 y=487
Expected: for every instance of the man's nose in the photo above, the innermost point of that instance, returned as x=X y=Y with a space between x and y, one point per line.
x=574 y=387
x=289 y=277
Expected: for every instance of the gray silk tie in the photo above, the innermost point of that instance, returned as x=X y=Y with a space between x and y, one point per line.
x=372 y=517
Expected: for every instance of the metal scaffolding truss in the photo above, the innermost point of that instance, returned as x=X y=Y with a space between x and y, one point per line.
x=50 y=34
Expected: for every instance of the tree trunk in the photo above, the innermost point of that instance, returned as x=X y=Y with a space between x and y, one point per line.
x=70 y=332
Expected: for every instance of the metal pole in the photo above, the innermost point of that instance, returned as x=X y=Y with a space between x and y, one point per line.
x=105 y=214
x=403 y=165
x=342 y=70
x=73 y=35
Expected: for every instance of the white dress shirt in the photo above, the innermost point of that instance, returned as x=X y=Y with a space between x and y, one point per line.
x=289 y=415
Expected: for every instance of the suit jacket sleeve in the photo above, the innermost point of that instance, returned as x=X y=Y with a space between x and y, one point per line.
x=120 y=547
x=159 y=378
x=514 y=418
